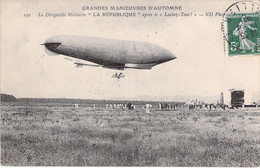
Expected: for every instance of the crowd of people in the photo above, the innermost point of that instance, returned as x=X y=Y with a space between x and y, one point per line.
x=167 y=106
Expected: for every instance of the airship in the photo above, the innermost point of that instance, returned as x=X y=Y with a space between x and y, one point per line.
x=109 y=53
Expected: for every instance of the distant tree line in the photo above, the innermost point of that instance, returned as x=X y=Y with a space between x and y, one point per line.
x=89 y=101
x=7 y=98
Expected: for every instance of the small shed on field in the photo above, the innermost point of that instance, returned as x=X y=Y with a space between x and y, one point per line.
x=236 y=98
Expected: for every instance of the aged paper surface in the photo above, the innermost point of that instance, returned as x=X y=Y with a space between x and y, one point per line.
x=214 y=48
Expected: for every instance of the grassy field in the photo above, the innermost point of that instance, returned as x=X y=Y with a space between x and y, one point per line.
x=40 y=134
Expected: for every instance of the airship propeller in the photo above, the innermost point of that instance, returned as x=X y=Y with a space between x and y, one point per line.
x=118 y=75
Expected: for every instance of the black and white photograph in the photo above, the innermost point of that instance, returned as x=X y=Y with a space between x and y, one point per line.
x=136 y=83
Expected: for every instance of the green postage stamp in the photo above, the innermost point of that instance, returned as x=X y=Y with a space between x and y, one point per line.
x=243 y=34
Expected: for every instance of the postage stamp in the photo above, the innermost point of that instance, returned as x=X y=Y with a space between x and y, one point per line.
x=242 y=34
x=241 y=29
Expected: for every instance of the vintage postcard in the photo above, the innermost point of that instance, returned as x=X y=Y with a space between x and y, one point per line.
x=161 y=83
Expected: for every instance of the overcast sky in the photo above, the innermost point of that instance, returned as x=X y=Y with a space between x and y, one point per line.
x=201 y=67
